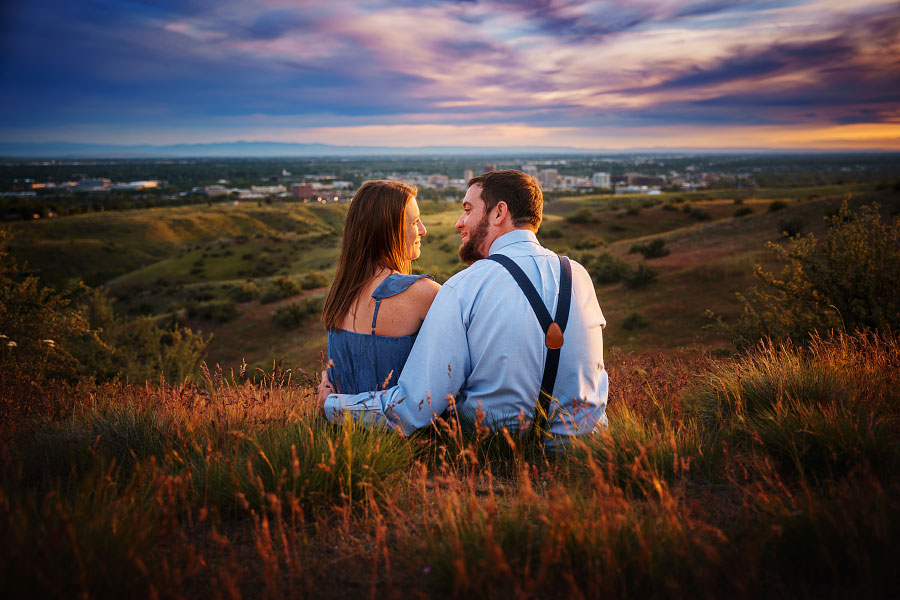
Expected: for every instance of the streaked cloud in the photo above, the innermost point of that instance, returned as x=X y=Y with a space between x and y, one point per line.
x=587 y=73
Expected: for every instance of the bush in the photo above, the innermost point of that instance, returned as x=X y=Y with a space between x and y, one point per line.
x=653 y=249
x=315 y=279
x=776 y=206
x=283 y=287
x=641 y=276
x=295 y=314
x=634 y=321
x=698 y=214
x=846 y=282
x=791 y=227
x=221 y=311
x=552 y=234
x=43 y=335
x=743 y=211
x=605 y=268
x=246 y=292
x=588 y=243
x=582 y=216
x=145 y=351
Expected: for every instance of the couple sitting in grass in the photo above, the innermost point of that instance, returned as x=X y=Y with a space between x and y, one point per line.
x=516 y=337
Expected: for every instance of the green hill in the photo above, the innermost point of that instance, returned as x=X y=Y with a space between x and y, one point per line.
x=190 y=264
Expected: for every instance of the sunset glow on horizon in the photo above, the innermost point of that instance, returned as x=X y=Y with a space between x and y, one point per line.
x=613 y=75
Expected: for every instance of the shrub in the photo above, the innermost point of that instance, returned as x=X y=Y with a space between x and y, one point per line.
x=295 y=314
x=283 y=287
x=743 y=211
x=552 y=234
x=145 y=351
x=641 y=276
x=699 y=214
x=776 y=206
x=845 y=282
x=582 y=216
x=669 y=207
x=605 y=268
x=588 y=243
x=42 y=334
x=314 y=279
x=653 y=249
x=633 y=211
x=634 y=321
x=221 y=311
x=791 y=227
x=246 y=292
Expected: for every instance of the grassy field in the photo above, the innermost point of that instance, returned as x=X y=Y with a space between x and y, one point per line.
x=766 y=473
x=173 y=262
x=772 y=474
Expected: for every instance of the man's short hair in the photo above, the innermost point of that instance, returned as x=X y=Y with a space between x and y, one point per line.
x=520 y=191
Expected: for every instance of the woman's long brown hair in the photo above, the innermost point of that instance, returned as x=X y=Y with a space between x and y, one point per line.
x=373 y=239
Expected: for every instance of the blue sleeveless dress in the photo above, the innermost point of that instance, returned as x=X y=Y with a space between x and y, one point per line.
x=364 y=362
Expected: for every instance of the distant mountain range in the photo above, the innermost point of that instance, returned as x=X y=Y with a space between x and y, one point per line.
x=240 y=149
x=255 y=149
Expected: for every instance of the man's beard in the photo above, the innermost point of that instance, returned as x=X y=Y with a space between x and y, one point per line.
x=469 y=252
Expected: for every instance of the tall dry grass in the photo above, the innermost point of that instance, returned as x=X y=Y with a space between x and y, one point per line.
x=769 y=474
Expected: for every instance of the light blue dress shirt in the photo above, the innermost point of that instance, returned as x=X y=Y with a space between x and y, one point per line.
x=482 y=344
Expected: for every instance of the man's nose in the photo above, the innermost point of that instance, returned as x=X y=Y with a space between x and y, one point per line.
x=459 y=222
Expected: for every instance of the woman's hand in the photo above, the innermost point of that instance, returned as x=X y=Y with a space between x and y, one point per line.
x=325 y=388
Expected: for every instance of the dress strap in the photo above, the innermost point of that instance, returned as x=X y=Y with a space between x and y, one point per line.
x=396 y=283
x=392 y=285
x=375 y=314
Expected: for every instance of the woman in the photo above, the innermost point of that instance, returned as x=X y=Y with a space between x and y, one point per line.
x=375 y=307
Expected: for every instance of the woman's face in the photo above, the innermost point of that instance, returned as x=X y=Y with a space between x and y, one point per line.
x=413 y=230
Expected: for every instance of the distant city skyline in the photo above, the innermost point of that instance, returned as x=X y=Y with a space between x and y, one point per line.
x=615 y=75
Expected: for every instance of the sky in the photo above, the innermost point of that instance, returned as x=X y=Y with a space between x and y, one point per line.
x=613 y=74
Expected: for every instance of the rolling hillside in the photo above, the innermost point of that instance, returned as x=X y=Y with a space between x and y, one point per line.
x=193 y=265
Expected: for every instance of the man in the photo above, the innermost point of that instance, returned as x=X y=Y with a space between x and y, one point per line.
x=481 y=344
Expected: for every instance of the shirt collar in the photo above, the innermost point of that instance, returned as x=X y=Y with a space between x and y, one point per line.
x=513 y=237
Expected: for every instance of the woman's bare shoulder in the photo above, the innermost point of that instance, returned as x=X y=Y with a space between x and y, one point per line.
x=425 y=289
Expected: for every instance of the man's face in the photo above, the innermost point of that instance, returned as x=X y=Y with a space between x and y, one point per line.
x=473 y=227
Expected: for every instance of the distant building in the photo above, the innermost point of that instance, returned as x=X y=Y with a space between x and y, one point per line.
x=303 y=191
x=438 y=181
x=467 y=175
x=268 y=190
x=92 y=185
x=215 y=190
x=490 y=167
x=601 y=180
x=628 y=189
x=548 y=178
x=640 y=179
x=136 y=185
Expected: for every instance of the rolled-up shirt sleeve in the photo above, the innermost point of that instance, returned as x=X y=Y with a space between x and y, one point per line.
x=434 y=373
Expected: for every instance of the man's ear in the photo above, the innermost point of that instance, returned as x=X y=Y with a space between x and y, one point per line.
x=499 y=213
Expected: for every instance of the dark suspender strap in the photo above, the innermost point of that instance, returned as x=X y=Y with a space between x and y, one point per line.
x=551 y=365
x=375 y=314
